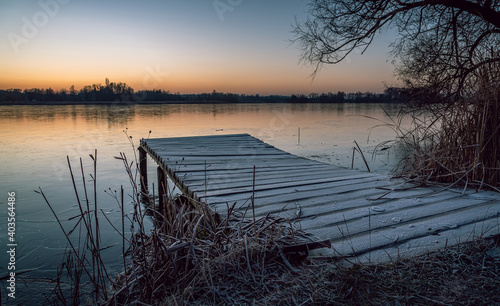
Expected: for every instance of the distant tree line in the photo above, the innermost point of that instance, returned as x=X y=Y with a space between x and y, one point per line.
x=390 y=95
x=120 y=92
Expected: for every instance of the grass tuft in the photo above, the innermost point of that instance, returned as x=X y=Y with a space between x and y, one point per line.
x=456 y=143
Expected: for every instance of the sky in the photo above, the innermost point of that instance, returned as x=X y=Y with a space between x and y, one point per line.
x=187 y=46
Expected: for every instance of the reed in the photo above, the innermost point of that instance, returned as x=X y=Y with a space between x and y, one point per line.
x=468 y=146
x=190 y=254
x=456 y=143
x=82 y=266
x=194 y=254
x=357 y=148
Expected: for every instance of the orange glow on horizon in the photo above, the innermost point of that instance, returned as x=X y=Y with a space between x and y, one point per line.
x=242 y=83
x=174 y=46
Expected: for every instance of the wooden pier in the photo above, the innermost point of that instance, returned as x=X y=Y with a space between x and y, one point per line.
x=367 y=216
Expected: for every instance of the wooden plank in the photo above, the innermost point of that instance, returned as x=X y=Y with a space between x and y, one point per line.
x=143 y=172
x=214 y=157
x=329 y=205
x=246 y=166
x=162 y=188
x=279 y=183
x=321 y=196
x=203 y=140
x=236 y=146
x=245 y=182
x=267 y=165
x=428 y=225
x=265 y=176
x=230 y=172
x=404 y=212
x=429 y=243
x=232 y=163
x=286 y=195
x=211 y=154
x=348 y=244
x=290 y=189
x=194 y=141
x=315 y=210
x=221 y=139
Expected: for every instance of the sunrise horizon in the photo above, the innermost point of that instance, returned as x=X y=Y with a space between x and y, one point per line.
x=186 y=89
x=234 y=151
x=239 y=47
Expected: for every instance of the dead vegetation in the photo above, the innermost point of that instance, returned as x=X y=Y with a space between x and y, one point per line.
x=191 y=254
x=199 y=258
x=455 y=143
x=465 y=274
x=246 y=270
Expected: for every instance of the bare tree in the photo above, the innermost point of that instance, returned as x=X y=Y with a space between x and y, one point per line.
x=440 y=44
x=443 y=48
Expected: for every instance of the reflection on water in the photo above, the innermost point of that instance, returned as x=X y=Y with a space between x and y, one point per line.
x=35 y=140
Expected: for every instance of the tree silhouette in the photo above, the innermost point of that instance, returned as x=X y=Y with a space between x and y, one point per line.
x=445 y=51
x=442 y=44
x=116 y=93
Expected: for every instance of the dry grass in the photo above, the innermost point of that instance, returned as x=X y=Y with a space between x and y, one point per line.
x=198 y=258
x=82 y=266
x=237 y=268
x=460 y=275
x=193 y=255
x=455 y=143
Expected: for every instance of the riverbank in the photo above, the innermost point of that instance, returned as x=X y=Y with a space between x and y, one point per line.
x=192 y=259
x=196 y=259
x=465 y=274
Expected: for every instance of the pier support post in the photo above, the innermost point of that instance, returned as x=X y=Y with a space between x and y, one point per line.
x=162 y=188
x=143 y=170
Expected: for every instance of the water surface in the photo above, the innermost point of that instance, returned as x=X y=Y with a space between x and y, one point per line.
x=36 y=140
